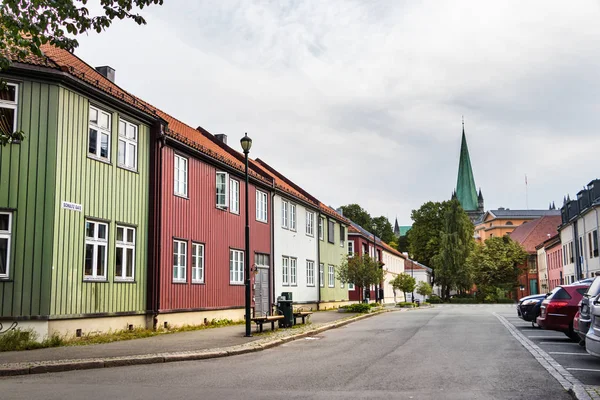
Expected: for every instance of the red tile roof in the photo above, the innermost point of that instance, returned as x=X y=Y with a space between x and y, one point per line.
x=284 y=184
x=532 y=233
x=70 y=63
x=392 y=250
x=334 y=214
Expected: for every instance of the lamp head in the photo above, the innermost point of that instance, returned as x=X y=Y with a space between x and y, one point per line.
x=246 y=143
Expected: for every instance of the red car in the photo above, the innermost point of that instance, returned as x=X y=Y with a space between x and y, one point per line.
x=559 y=309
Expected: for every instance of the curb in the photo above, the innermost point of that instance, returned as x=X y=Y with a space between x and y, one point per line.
x=73 y=365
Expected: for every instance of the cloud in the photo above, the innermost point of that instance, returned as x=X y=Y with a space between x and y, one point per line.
x=362 y=101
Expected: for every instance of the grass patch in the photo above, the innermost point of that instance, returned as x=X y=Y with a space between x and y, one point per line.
x=405 y=304
x=18 y=339
x=358 y=308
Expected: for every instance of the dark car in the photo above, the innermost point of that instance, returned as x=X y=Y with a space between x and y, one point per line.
x=528 y=307
x=559 y=308
x=582 y=325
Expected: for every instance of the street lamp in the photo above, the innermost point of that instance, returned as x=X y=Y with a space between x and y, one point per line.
x=246 y=145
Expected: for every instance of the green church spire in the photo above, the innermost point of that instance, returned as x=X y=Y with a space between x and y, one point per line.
x=465 y=184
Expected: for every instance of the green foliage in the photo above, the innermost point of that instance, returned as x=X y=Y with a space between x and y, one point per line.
x=403 y=245
x=382 y=228
x=359 y=308
x=495 y=265
x=456 y=241
x=18 y=339
x=361 y=271
x=435 y=300
x=424 y=289
x=358 y=215
x=404 y=283
x=463 y=300
x=373 y=305
x=406 y=304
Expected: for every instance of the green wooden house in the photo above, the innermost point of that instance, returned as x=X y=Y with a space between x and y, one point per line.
x=74 y=198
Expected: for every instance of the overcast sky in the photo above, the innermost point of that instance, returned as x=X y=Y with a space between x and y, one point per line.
x=361 y=101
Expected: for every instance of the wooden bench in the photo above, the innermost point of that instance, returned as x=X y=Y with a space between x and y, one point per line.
x=302 y=314
x=259 y=321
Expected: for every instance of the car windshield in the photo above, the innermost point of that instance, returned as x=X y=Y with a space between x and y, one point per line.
x=593 y=290
x=558 y=293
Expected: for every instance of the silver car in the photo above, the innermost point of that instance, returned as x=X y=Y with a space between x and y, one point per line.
x=592 y=338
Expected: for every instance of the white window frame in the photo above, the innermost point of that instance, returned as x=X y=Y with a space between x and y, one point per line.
x=236 y=267
x=330 y=276
x=261 y=206
x=96 y=242
x=321 y=275
x=285 y=271
x=180 y=176
x=350 y=248
x=293 y=218
x=180 y=269
x=293 y=271
x=125 y=245
x=7 y=234
x=222 y=190
x=12 y=105
x=321 y=228
x=99 y=131
x=284 y=214
x=128 y=141
x=198 y=262
x=351 y=286
x=234 y=196
x=310 y=273
x=310 y=223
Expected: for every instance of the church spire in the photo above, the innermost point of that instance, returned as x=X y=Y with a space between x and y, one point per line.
x=466 y=191
x=396 y=228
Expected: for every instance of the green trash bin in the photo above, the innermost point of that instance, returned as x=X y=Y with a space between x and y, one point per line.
x=284 y=304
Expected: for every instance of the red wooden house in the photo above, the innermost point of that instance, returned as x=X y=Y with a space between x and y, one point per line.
x=365 y=242
x=199 y=228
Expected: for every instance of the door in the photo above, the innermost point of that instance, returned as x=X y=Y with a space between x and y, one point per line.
x=261 y=291
x=533 y=286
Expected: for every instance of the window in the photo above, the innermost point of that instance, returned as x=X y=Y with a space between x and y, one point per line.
x=365 y=248
x=9 y=98
x=590 y=245
x=197 y=263
x=262 y=260
x=261 y=206
x=293 y=272
x=331 y=276
x=321 y=275
x=128 y=139
x=310 y=273
x=342 y=235
x=179 y=260
x=351 y=286
x=321 y=227
x=222 y=190
x=181 y=176
x=5 y=237
x=236 y=266
x=96 y=245
x=509 y=223
x=99 y=135
x=125 y=253
x=234 y=196
x=284 y=214
x=292 y=216
x=350 y=248
x=595 y=242
x=285 y=270
x=571 y=259
x=331 y=231
x=310 y=223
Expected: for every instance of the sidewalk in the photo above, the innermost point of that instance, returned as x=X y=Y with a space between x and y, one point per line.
x=206 y=343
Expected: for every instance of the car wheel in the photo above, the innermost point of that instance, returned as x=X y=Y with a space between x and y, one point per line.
x=532 y=324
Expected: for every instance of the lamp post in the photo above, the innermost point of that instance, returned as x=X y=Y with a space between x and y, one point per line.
x=412 y=274
x=246 y=145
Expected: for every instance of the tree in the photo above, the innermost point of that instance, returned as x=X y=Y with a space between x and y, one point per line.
x=495 y=264
x=358 y=215
x=383 y=229
x=456 y=242
x=28 y=24
x=425 y=233
x=362 y=271
x=424 y=289
x=403 y=246
x=404 y=283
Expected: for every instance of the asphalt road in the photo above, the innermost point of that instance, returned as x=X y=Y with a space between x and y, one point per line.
x=449 y=352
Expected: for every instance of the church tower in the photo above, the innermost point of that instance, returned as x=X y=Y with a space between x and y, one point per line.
x=466 y=191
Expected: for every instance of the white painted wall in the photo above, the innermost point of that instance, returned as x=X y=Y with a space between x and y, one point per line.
x=566 y=237
x=299 y=245
x=542 y=270
x=394 y=265
x=586 y=225
x=420 y=275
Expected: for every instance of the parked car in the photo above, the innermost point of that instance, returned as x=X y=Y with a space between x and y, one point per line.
x=528 y=307
x=559 y=308
x=592 y=338
x=582 y=321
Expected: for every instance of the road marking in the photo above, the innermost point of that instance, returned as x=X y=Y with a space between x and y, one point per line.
x=577 y=344
x=545 y=337
x=568 y=354
x=584 y=369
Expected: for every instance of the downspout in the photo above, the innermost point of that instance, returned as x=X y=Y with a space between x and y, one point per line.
x=318 y=215
x=587 y=269
x=272 y=270
x=577 y=255
x=158 y=230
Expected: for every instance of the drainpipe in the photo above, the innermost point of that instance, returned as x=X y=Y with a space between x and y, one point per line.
x=272 y=270
x=318 y=271
x=158 y=231
x=587 y=267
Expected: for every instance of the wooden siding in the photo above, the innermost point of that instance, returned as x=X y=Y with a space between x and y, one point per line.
x=27 y=174
x=359 y=241
x=197 y=220
x=106 y=192
x=332 y=254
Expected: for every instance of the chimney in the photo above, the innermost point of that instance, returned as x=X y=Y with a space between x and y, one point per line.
x=221 y=137
x=107 y=72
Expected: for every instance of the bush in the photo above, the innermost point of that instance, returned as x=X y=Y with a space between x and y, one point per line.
x=435 y=300
x=463 y=300
x=359 y=308
x=18 y=339
x=374 y=305
x=406 y=304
